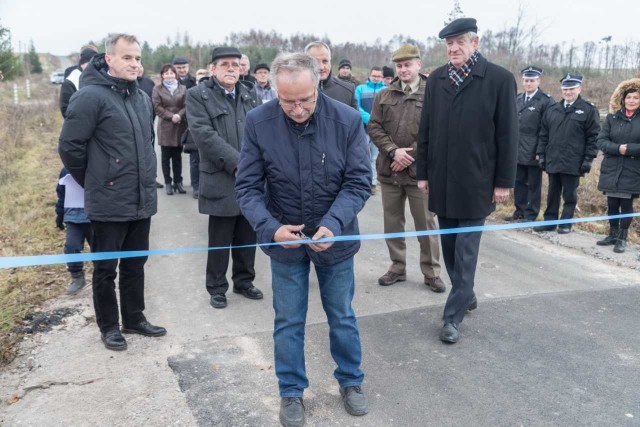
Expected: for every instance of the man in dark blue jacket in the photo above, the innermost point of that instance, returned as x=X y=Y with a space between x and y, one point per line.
x=304 y=171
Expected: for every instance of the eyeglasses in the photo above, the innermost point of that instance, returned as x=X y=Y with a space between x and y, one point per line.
x=305 y=103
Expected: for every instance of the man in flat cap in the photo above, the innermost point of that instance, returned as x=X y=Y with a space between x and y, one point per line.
x=263 y=86
x=182 y=69
x=344 y=72
x=329 y=85
x=467 y=151
x=393 y=127
x=216 y=110
x=532 y=104
x=566 y=148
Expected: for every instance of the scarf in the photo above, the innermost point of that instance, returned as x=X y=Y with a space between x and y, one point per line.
x=171 y=86
x=458 y=75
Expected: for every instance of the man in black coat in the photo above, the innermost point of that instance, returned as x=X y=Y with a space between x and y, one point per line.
x=566 y=148
x=467 y=148
x=106 y=145
x=531 y=104
x=329 y=85
x=71 y=82
x=182 y=68
x=216 y=110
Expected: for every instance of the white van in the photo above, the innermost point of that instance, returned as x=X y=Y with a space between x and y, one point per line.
x=57 y=78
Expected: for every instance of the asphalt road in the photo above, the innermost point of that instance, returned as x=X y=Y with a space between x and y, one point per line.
x=553 y=342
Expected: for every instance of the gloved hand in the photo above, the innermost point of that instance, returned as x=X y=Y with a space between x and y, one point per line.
x=541 y=162
x=60 y=222
x=585 y=167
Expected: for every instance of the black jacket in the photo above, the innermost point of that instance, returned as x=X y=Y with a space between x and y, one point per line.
x=216 y=124
x=468 y=140
x=189 y=81
x=339 y=90
x=106 y=144
x=146 y=84
x=529 y=119
x=620 y=173
x=69 y=86
x=567 y=138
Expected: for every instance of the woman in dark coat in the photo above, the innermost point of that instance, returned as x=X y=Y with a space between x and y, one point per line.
x=619 y=140
x=169 y=99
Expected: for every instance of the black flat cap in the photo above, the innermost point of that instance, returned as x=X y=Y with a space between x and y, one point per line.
x=261 y=67
x=531 y=72
x=225 y=52
x=459 y=26
x=179 y=60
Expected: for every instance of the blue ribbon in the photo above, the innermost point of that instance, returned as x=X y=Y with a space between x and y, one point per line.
x=27 y=261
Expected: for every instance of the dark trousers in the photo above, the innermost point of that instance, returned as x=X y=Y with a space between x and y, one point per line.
x=76 y=235
x=618 y=206
x=527 y=192
x=567 y=185
x=460 y=254
x=171 y=158
x=113 y=237
x=194 y=169
x=230 y=231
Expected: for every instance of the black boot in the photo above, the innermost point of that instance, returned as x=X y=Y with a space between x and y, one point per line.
x=621 y=242
x=179 y=188
x=611 y=238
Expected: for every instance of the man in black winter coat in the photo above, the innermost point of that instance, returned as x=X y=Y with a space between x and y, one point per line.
x=467 y=148
x=106 y=144
x=329 y=85
x=531 y=104
x=566 y=148
x=71 y=82
x=144 y=82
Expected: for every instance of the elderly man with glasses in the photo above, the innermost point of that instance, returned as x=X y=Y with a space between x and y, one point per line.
x=304 y=171
x=216 y=110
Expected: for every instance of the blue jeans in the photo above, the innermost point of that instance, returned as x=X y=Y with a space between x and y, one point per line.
x=77 y=233
x=373 y=152
x=290 y=284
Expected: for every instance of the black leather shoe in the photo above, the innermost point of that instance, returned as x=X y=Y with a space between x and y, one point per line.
x=113 y=340
x=169 y=190
x=251 y=292
x=564 y=230
x=218 y=301
x=158 y=185
x=514 y=217
x=291 y=412
x=473 y=304
x=540 y=228
x=179 y=188
x=449 y=333
x=144 y=328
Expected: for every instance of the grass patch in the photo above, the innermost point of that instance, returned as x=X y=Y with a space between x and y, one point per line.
x=27 y=198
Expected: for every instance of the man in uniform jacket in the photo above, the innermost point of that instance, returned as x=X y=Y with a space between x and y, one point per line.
x=393 y=127
x=106 y=144
x=329 y=85
x=304 y=171
x=531 y=104
x=566 y=148
x=216 y=111
x=467 y=151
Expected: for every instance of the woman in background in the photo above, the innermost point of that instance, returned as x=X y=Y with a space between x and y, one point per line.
x=169 y=105
x=619 y=140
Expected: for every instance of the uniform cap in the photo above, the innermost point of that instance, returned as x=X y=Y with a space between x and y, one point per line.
x=404 y=52
x=531 y=72
x=570 y=81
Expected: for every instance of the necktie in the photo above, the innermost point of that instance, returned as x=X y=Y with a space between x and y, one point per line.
x=527 y=99
x=407 y=90
x=566 y=106
x=231 y=96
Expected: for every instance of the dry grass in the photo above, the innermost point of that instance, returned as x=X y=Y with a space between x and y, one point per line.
x=30 y=166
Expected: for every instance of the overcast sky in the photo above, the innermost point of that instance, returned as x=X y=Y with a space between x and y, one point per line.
x=61 y=27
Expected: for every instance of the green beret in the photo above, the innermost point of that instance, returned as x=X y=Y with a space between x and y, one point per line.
x=405 y=52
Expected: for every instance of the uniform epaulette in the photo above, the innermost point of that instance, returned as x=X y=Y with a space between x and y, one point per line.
x=547 y=95
x=592 y=104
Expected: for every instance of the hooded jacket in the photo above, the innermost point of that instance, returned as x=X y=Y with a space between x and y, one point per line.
x=620 y=173
x=365 y=94
x=106 y=144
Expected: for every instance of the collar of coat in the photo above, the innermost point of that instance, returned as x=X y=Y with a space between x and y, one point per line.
x=241 y=89
x=478 y=70
x=396 y=86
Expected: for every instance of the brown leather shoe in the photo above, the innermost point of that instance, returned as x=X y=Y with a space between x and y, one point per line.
x=390 y=278
x=436 y=284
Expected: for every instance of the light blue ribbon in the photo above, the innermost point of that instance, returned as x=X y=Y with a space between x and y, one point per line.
x=27 y=261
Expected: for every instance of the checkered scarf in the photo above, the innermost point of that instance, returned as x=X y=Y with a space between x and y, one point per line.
x=457 y=76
